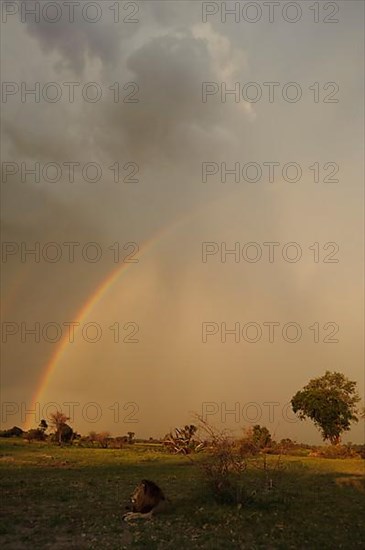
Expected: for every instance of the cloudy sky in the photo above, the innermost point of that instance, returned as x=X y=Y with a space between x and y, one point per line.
x=108 y=140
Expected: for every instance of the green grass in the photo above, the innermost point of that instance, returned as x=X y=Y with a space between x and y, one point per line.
x=73 y=498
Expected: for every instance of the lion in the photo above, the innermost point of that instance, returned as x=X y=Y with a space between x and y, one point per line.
x=146 y=500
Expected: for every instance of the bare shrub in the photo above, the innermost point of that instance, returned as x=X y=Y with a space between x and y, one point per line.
x=235 y=473
x=339 y=451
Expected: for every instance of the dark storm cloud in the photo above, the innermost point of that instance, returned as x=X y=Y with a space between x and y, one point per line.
x=170 y=120
x=78 y=40
x=168 y=73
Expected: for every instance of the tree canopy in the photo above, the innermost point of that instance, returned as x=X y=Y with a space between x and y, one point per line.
x=330 y=401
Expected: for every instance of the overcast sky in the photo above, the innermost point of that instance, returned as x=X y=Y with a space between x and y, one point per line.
x=145 y=113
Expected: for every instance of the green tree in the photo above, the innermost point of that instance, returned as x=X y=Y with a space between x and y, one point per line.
x=43 y=426
x=12 y=432
x=261 y=436
x=131 y=437
x=62 y=430
x=330 y=401
x=67 y=434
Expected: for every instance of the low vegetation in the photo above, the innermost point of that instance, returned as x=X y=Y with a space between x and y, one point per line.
x=66 y=497
x=61 y=490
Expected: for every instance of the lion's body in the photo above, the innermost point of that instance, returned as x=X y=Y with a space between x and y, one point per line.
x=147 y=499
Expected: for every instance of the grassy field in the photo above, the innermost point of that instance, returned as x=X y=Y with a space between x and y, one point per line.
x=73 y=498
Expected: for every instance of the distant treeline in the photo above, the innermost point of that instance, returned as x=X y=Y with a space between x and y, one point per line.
x=256 y=440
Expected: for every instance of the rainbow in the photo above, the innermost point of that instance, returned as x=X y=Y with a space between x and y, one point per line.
x=100 y=292
x=87 y=308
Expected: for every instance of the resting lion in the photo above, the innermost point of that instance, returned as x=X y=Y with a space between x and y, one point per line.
x=146 y=500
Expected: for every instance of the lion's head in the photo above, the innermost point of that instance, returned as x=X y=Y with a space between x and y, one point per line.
x=146 y=496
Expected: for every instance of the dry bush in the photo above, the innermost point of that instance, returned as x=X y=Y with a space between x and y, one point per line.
x=233 y=475
x=339 y=451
